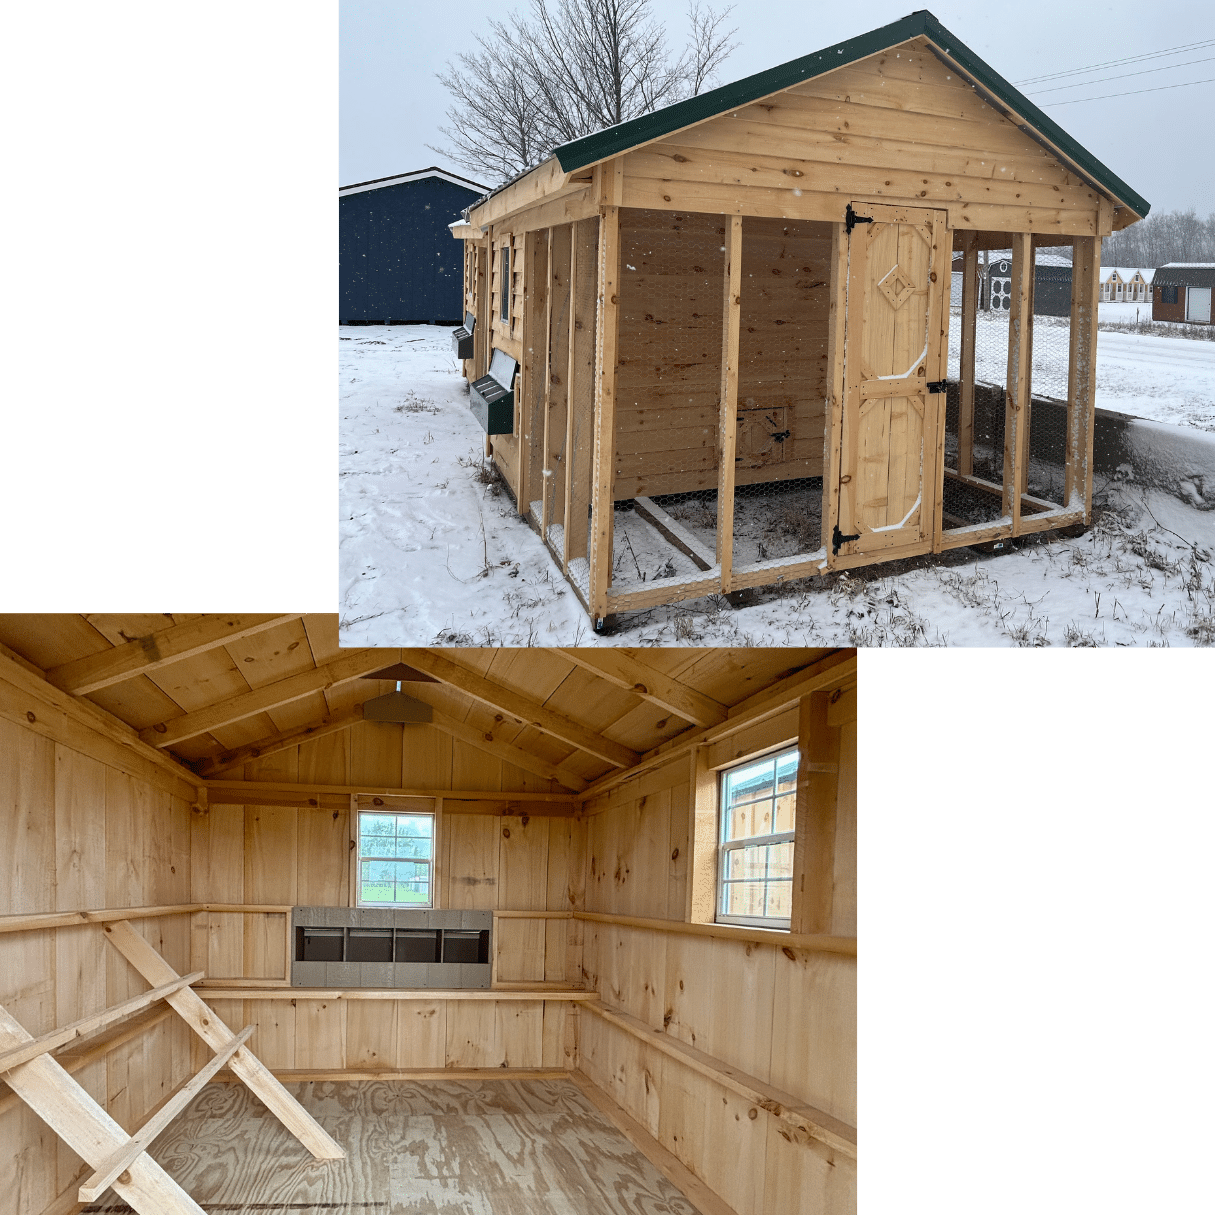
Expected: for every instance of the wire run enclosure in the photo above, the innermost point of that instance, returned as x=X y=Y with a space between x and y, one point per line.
x=739 y=360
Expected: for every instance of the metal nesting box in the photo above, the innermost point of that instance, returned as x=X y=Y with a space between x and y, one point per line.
x=492 y=397
x=462 y=338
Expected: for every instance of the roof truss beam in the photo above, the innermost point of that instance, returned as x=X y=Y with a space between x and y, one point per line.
x=143 y=655
x=658 y=689
x=263 y=700
x=522 y=709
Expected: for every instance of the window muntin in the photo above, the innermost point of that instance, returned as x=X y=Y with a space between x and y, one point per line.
x=505 y=301
x=396 y=859
x=757 y=803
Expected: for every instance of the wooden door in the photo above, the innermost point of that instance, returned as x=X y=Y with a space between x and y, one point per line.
x=893 y=350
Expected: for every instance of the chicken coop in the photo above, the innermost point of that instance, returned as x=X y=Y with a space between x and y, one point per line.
x=288 y=928
x=732 y=324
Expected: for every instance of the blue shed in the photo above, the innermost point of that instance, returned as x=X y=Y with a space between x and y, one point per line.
x=399 y=263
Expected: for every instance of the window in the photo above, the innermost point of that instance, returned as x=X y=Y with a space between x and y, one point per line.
x=505 y=313
x=1168 y=295
x=396 y=859
x=755 y=858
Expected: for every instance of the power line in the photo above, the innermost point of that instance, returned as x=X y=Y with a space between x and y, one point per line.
x=1133 y=93
x=1175 y=50
x=1146 y=72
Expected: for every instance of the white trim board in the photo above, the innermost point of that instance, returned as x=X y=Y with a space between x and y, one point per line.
x=385 y=182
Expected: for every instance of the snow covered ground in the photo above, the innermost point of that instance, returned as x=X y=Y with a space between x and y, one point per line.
x=432 y=552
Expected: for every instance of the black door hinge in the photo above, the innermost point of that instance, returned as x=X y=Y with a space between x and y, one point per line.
x=937 y=385
x=851 y=219
x=838 y=538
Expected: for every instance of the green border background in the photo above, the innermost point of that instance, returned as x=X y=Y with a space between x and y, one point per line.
x=1037 y=871
x=169 y=434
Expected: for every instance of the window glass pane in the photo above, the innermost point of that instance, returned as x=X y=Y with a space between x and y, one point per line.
x=748 y=783
x=786 y=772
x=780 y=860
x=744 y=898
x=785 y=807
x=780 y=899
x=394 y=857
x=743 y=863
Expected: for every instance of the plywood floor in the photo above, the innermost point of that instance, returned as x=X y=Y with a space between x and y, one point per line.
x=492 y=1147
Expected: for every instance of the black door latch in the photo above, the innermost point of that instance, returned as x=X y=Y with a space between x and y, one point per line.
x=937 y=385
x=838 y=538
x=851 y=219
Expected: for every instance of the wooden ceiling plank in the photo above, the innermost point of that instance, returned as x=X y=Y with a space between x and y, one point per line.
x=150 y=653
x=295 y=687
x=237 y=757
x=507 y=751
x=649 y=684
x=520 y=706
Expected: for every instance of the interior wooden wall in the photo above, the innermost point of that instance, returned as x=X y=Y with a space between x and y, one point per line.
x=785 y=1015
x=79 y=834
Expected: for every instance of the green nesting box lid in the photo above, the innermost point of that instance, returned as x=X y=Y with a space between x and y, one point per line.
x=492 y=397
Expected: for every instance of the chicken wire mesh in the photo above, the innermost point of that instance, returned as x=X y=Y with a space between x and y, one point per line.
x=1050 y=340
x=668 y=385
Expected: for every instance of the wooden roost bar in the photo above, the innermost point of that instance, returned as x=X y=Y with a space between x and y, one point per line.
x=731 y=318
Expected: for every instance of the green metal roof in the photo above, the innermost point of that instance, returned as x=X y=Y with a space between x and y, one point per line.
x=612 y=142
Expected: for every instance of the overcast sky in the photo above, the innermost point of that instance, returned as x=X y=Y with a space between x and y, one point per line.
x=1159 y=142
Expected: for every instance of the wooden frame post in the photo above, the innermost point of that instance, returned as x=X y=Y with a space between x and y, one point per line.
x=579 y=430
x=1082 y=373
x=940 y=262
x=556 y=404
x=702 y=840
x=818 y=747
x=728 y=414
x=1029 y=366
x=609 y=183
x=837 y=315
x=1016 y=393
x=966 y=360
x=533 y=374
x=481 y=334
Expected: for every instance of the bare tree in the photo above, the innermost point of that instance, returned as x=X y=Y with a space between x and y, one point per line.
x=1167 y=236
x=573 y=67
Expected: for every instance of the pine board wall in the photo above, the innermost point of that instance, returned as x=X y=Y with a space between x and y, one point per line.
x=786 y=1016
x=299 y=856
x=79 y=834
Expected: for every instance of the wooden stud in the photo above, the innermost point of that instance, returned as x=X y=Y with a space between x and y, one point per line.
x=122 y=1158
x=1029 y=369
x=579 y=434
x=530 y=400
x=560 y=304
x=966 y=363
x=702 y=865
x=728 y=404
x=814 y=833
x=607 y=337
x=834 y=406
x=274 y=743
x=1082 y=375
x=1016 y=399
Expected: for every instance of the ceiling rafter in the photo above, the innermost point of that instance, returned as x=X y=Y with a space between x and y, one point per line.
x=658 y=689
x=522 y=708
x=143 y=655
x=262 y=700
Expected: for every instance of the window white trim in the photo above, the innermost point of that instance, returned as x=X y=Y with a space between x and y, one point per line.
x=725 y=846
x=388 y=806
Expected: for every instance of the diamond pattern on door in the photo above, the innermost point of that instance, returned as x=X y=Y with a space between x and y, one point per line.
x=897 y=286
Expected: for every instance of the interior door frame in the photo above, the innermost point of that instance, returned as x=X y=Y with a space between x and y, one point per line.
x=936 y=367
